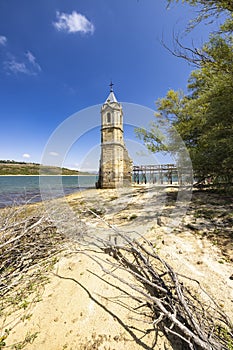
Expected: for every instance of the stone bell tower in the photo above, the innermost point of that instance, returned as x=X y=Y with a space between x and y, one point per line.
x=115 y=165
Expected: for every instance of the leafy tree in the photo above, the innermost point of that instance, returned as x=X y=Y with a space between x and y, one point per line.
x=203 y=117
x=209 y=7
x=209 y=131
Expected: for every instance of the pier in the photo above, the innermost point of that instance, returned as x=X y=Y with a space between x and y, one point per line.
x=160 y=174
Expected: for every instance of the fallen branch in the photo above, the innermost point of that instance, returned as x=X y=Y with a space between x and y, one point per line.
x=27 y=245
x=173 y=307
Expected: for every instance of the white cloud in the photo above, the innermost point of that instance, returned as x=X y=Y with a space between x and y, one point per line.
x=54 y=154
x=32 y=60
x=26 y=155
x=72 y=23
x=3 y=40
x=29 y=66
x=12 y=66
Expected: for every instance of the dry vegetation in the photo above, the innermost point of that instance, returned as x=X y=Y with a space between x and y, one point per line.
x=163 y=300
x=163 y=297
x=29 y=244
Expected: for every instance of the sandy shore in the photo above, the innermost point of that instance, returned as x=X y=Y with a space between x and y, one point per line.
x=73 y=312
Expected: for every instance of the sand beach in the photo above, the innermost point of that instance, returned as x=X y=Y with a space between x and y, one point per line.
x=77 y=309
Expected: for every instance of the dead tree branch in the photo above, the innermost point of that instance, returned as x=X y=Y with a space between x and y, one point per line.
x=28 y=242
x=163 y=298
x=192 y=55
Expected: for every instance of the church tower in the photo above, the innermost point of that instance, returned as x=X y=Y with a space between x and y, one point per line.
x=115 y=165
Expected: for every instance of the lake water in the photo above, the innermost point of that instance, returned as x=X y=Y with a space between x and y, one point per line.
x=21 y=189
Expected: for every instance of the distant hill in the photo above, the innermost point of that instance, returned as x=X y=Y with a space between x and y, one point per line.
x=22 y=168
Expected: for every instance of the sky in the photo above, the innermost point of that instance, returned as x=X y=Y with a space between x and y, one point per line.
x=58 y=57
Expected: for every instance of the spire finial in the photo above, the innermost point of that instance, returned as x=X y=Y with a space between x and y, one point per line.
x=111 y=86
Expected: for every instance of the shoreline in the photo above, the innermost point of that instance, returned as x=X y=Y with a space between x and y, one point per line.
x=28 y=189
x=190 y=249
x=40 y=200
x=49 y=175
x=74 y=194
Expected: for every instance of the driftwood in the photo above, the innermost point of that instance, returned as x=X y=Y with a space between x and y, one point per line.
x=28 y=243
x=164 y=298
x=161 y=296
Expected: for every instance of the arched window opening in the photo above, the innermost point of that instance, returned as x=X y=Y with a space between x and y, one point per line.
x=108 y=117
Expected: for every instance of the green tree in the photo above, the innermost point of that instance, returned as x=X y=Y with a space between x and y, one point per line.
x=209 y=109
x=203 y=117
x=208 y=7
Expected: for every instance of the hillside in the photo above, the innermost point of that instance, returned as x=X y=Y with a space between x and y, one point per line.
x=23 y=168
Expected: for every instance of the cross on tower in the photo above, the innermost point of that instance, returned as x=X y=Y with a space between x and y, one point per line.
x=111 y=86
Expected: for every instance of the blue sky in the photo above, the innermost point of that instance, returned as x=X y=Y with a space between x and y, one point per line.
x=57 y=57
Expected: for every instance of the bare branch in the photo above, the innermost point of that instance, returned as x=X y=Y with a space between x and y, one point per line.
x=161 y=296
x=192 y=55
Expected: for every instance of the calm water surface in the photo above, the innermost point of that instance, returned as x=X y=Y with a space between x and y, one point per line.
x=21 y=189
